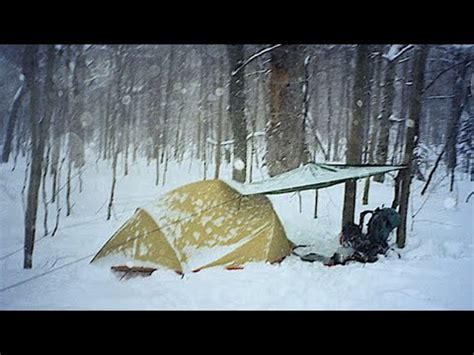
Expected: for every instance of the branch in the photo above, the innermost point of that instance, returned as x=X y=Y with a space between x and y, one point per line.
x=392 y=56
x=432 y=171
x=444 y=71
x=256 y=55
x=469 y=196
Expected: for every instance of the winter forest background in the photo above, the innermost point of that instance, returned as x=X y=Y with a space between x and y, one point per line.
x=240 y=111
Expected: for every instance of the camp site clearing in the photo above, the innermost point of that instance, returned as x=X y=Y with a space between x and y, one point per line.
x=435 y=270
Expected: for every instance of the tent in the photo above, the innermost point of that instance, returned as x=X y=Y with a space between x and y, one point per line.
x=197 y=226
x=312 y=176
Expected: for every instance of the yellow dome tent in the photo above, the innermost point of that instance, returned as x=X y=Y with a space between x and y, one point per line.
x=197 y=226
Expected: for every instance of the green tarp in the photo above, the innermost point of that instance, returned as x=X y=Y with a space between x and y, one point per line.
x=312 y=176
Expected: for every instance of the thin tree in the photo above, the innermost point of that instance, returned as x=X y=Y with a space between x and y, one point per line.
x=354 y=148
x=384 y=126
x=457 y=106
x=236 y=111
x=219 y=121
x=411 y=138
x=17 y=100
x=39 y=131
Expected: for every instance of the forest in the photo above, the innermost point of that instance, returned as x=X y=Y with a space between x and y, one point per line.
x=243 y=112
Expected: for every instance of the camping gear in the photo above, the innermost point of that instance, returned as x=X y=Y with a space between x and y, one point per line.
x=357 y=246
x=365 y=247
x=197 y=226
x=312 y=176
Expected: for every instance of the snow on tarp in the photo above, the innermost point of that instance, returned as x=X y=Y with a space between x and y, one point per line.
x=311 y=176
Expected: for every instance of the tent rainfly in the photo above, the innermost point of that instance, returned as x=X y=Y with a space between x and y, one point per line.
x=311 y=176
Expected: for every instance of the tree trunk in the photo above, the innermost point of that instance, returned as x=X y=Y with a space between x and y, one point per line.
x=459 y=90
x=411 y=139
x=17 y=100
x=236 y=112
x=219 y=123
x=39 y=132
x=77 y=134
x=376 y=109
x=354 y=148
x=112 y=189
x=329 y=102
x=384 y=127
x=398 y=148
x=169 y=91
x=285 y=131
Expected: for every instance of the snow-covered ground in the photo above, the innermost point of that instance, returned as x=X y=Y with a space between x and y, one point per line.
x=435 y=270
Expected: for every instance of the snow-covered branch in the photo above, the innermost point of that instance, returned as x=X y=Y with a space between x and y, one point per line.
x=256 y=55
x=396 y=51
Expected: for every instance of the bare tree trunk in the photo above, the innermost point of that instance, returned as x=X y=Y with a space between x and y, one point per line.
x=354 y=148
x=39 y=130
x=253 y=124
x=459 y=89
x=329 y=102
x=68 y=188
x=77 y=134
x=219 y=123
x=169 y=91
x=284 y=131
x=17 y=100
x=368 y=110
x=236 y=111
x=344 y=102
x=376 y=109
x=384 y=128
x=44 y=195
x=398 y=149
x=114 y=180
x=412 y=134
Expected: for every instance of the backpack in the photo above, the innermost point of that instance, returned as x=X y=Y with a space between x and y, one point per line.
x=367 y=246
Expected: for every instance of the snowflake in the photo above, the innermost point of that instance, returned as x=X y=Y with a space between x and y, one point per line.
x=239 y=164
x=449 y=203
x=126 y=100
x=211 y=97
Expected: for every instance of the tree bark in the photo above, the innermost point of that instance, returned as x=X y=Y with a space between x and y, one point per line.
x=354 y=148
x=459 y=89
x=39 y=131
x=17 y=100
x=237 y=111
x=219 y=123
x=77 y=134
x=384 y=126
x=284 y=131
x=411 y=139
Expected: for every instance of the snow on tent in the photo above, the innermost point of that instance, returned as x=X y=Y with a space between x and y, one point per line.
x=312 y=176
x=197 y=226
